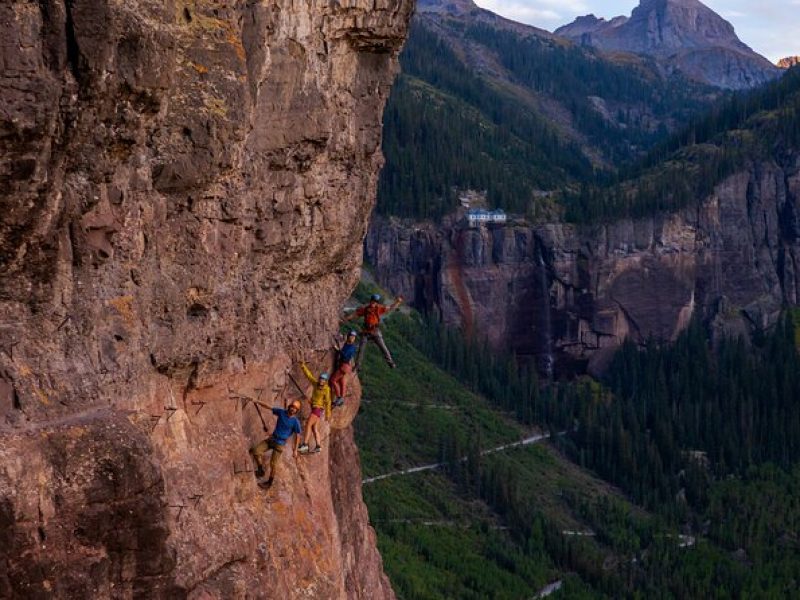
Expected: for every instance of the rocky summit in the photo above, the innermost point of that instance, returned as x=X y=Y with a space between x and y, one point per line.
x=184 y=190
x=789 y=62
x=683 y=35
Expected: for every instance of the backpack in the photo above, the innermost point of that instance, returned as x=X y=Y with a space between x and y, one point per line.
x=372 y=317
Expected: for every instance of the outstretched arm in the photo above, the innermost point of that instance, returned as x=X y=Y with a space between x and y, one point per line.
x=307 y=372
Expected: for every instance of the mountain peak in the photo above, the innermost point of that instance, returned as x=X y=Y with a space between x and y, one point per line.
x=662 y=26
x=682 y=34
x=676 y=3
x=589 y=19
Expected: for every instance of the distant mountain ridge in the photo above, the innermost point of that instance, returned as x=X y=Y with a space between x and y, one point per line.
x=477 y=15
x=485 y=103
x=683 y=35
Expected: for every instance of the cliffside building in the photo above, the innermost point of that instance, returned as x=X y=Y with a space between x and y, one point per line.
x=478 y=216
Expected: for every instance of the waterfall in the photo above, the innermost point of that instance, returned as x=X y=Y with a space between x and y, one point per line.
x=547 y=361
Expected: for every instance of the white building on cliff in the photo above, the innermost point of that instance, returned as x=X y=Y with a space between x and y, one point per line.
x=479 y=216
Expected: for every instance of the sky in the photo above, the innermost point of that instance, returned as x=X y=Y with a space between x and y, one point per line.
x=770 y=27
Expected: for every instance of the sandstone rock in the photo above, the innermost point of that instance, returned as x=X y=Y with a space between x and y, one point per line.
x=184 y=188
x=571 y=295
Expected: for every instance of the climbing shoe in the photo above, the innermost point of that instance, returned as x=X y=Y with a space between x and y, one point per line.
x=338 y=402
x=317 y=450
x=303 y=449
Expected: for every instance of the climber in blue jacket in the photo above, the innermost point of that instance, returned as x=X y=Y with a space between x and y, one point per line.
x=345 y=358
x=286 y=426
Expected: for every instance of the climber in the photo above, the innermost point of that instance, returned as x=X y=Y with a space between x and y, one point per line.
x=287 y=425
x=320 y=401
x=372 y=313
x=344 y=366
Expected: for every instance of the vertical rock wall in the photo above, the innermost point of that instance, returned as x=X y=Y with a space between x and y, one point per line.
x=571 y=295
x=184 y=188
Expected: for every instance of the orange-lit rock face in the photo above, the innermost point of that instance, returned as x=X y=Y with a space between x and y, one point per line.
x=184 y=187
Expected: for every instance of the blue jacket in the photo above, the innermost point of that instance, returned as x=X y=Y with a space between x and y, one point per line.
x=285 y=427
x=348 y=353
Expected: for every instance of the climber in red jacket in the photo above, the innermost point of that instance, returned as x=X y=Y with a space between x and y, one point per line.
x=373 y=313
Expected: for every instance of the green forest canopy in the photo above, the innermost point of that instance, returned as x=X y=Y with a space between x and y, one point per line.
x=449 y=127
x=702 y=436
x=759 y=125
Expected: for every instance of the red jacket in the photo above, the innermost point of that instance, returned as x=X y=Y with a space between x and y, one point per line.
x=372 y=315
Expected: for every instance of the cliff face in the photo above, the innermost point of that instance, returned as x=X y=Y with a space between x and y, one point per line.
x=570 y=296
x=184 y=188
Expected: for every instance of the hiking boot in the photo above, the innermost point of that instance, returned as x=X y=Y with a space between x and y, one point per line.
x=338 y=402
x=303 y=449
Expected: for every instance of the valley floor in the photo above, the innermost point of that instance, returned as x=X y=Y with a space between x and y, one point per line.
x=469 y=503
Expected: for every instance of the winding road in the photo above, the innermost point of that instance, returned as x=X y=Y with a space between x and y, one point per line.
x=534 y=439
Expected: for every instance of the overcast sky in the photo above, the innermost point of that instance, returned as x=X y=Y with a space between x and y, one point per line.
x=771 y=27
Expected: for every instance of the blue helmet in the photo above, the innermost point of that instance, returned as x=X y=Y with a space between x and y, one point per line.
x=376 y=297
